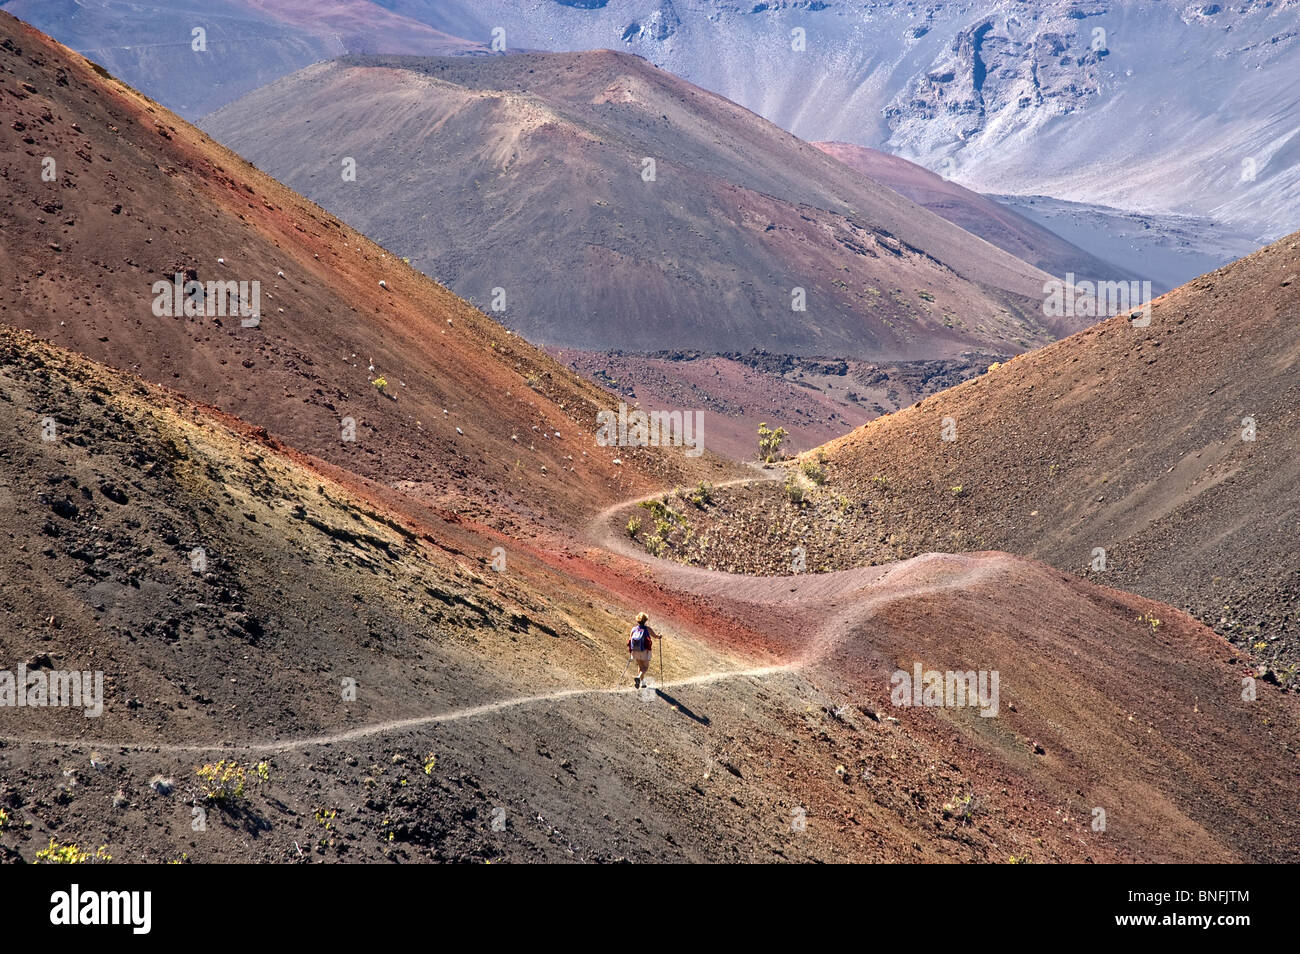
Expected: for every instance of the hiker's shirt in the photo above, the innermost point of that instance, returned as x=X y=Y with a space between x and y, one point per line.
x=646 y=640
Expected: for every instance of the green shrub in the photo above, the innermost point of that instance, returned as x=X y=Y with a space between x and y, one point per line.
x=816 y=470
x=226 y=781
x=703 y=495
x=794 y=491
x=70 y=854
x=769 y=442
x=660 y=510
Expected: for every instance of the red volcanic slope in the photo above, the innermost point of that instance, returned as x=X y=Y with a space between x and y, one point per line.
x=472 y=417
x=1107 y=700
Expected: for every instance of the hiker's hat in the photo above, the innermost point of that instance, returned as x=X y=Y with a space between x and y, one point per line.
x=641 y=617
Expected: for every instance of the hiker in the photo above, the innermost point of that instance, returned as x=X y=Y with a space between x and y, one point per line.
x=641 y=646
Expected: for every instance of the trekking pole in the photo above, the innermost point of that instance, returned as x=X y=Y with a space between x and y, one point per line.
x=625 y=665
x=661 y=661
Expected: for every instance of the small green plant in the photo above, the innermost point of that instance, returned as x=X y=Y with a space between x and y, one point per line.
x=662 y=513
x=880 y=481
x=430 y=761
x=961 y=808
x=815 y=470
x=925 y=295
x=957 y=490
x=325 y=817
x=769 y=442
x=794 y=491
x=666 y=521
x=702 y=496
x=380 y=383
x=56 y=854
x=223 y=782
x=634 y=527
x=4 y=819
x=1150 y=618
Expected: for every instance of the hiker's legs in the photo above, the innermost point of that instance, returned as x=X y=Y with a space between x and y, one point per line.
x=642 y=664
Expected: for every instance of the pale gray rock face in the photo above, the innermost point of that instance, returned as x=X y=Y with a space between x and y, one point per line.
x=1185 y=108
x=1003 y=71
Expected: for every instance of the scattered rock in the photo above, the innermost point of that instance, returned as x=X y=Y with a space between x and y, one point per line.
x=65 y=508
x=113 y=493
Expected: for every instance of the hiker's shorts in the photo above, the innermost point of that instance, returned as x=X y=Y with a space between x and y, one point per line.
x=643 y=655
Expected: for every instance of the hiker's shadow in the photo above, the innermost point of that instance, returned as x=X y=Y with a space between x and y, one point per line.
x=680 y=707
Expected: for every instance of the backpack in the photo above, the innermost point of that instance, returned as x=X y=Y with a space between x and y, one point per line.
x=640 y=640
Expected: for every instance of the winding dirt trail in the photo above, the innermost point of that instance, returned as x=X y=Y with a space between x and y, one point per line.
x=831 y=602
x=834 y=603
x=396 y=725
